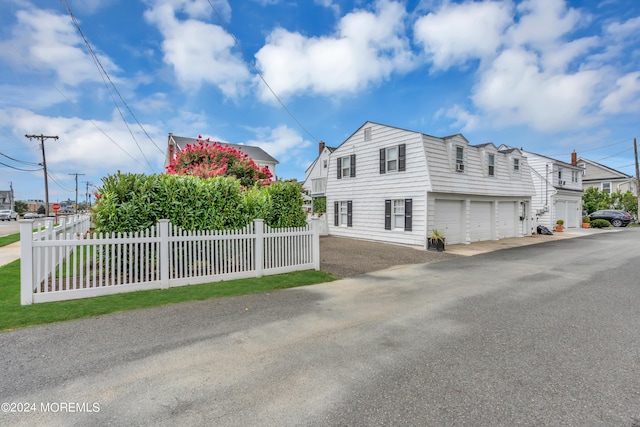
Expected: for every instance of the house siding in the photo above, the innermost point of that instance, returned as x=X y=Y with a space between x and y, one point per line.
x=369 y=189
x=430 y=177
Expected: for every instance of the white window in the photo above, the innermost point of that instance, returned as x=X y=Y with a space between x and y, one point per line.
x=606 y=187
x=460 y=159
x=398 y=214
x=392 y=159
x=324 y=164
x=343 y=214
x=346 y=166
x=491 y=161
x=367 y=134
x=574 y=176
x=516 y=165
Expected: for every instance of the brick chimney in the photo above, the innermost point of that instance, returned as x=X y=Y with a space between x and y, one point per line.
x=574 y=158
x=321 y=146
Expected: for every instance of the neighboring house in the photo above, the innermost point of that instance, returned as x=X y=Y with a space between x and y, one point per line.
x=394 y=185
x=558 y=190
x=605 y=178
x=6 y=199
x=316 y=174
x=257 y=154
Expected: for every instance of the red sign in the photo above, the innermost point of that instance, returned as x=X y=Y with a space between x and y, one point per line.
x=55 y=207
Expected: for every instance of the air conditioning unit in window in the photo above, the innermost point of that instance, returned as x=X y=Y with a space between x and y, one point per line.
x=459 y=167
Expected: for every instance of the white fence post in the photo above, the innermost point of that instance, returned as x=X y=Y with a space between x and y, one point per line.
x=258 y=225
x=26 y=262
x=163 y=230
x=315 y=229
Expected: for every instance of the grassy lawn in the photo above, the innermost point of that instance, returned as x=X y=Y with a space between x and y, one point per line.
x=11 y=238
x=13 y=315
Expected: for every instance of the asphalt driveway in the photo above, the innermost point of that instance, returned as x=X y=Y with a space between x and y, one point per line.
x=344 y=257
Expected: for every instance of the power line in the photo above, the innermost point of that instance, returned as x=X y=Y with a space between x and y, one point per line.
x=20 y=169
x=248 y=59
x=104 y=74
x=20 y=161
x=73 y=104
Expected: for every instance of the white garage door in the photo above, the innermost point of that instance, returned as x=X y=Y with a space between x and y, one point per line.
x=480 y=221
x=572 y=215
x=448 y=219
x=507 y=219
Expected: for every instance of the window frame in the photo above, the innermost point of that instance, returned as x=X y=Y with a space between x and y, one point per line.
x=459 y=159
x=491 y=164
x=392 y=216
x=516 y=165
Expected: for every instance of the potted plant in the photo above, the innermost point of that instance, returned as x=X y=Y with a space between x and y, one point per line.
x=586 y=222
x=560 y=225
x=435 y=242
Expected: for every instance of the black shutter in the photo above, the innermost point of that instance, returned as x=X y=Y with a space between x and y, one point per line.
x=339 y=164
x=336 y=214
x=387 y=214
x=349 y=213
x=352 y=170
x=408 y=207
x=383 y=161
x=402 y=157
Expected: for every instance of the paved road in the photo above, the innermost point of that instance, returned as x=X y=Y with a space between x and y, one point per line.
x=541 y=335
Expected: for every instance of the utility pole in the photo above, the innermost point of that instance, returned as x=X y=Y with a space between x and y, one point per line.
x=75 y=207
x=87 y=199
x=12 y=202
x=42 y=137
x=635 y=150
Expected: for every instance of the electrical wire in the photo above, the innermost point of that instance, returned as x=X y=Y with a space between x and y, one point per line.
x=248 y=59
x=52 y=177
x=74 y=105
x=20 y=169
x=20 y=161
x=104 y=74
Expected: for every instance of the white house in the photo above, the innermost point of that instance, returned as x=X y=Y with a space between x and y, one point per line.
x=315 y=182
x=558 y=190
x=257 y=154
x=394 y=185
x=605 y=178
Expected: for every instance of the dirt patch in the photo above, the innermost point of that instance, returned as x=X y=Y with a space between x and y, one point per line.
x=344 y=257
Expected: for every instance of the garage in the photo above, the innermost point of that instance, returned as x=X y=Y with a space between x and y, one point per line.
x=506 y=220
x=567 y=210
x=480 y=224
x=448 y=219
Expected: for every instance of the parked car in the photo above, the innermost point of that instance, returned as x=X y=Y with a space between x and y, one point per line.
x=616 y=218
x=8 y=215
x=30 y=215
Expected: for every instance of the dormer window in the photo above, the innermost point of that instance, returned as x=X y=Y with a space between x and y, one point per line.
x=459 y=159
x=516 y=165
x=367 y=134
x=491 y=162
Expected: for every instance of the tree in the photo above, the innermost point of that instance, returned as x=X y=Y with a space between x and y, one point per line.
x=20 y=206
x=209 y=160
x=594 y=199
x=41 y=210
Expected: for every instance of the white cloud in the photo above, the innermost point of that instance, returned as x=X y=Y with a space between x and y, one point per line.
x=543 y=23
x=53 y=47
x=625 y=97
x=198 y=52
x=516 y=91
x=457 y=33
x=281 y=142
x=463 y=119
x=367 y=47
x=83 y=146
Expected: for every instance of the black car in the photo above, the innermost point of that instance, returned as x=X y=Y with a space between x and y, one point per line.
x=616 y=218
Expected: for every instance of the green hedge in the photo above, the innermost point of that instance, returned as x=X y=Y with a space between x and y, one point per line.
x=600 y=223
x=133 y=202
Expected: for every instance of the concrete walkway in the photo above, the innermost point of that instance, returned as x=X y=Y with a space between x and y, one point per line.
x=9 y=253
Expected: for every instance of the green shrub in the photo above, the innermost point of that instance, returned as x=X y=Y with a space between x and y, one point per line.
x=560 y=222
x=600 y=223
x=320 y=205
x=586 y=219
x=135 y=202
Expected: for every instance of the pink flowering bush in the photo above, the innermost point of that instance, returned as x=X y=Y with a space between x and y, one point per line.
x=206 y=160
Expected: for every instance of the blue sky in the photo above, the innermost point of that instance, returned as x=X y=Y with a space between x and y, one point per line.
x=550 y=76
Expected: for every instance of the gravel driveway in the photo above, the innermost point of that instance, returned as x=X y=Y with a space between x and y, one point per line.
x=344 y=257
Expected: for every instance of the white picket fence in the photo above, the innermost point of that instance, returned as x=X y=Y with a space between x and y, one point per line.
x=58 y=266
